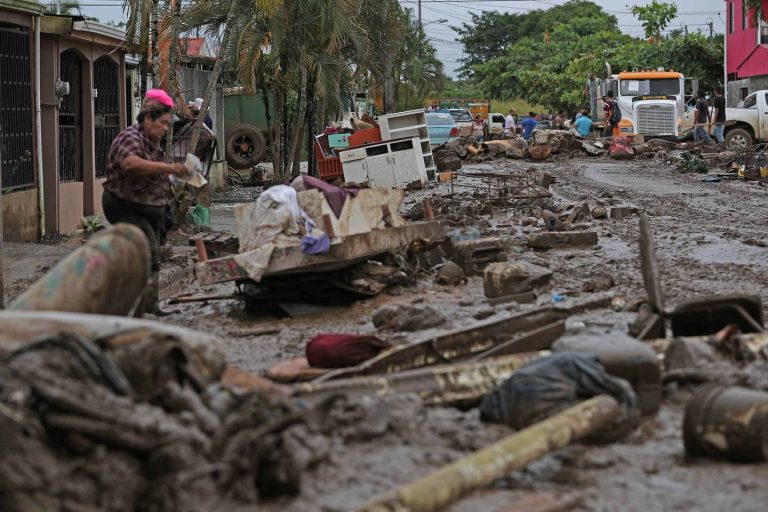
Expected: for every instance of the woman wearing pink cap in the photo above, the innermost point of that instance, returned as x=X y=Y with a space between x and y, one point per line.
x=136 y=189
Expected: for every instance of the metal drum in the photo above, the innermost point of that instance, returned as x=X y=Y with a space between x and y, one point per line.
x=729 y=422
x=107 y=276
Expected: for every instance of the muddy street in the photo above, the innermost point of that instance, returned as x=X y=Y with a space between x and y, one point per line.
x=709 y=241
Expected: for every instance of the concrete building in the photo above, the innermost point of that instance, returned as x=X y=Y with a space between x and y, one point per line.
x=746 y=59
x=82 y=99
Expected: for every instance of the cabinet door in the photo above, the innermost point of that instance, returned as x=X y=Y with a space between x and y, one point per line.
x=378 y=162
x=404 y=164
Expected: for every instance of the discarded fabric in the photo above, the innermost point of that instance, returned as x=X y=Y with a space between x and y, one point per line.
x=342 y=350
x=552 y=384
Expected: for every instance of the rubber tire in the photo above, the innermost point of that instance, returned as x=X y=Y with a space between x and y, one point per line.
x=737 y=132
x=247 y=132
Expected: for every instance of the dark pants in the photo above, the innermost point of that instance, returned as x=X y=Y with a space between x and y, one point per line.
x=150 y=219
x=608 y=130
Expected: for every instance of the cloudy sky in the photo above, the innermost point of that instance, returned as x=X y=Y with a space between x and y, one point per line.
x=693 y=13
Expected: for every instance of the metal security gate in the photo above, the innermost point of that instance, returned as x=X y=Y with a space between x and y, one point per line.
x=105 y=81
x=70 y=120
x=16 y=132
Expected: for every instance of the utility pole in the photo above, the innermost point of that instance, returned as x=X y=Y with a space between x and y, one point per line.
x=419 y=12
x=710 y=22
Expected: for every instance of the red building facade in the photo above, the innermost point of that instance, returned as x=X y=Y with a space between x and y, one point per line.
x=746 y=60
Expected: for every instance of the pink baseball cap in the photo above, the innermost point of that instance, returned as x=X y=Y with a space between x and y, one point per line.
x=159 y=96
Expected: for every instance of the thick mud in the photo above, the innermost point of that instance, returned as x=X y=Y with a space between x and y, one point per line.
x=709 y=238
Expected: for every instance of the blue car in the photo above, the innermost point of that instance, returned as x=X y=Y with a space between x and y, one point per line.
x=441 y=128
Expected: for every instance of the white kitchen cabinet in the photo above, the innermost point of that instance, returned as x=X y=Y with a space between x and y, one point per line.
x=412 y=123
x=388 y=164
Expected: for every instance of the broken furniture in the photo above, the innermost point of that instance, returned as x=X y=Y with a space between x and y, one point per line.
x=690 y=318
x=366 y=227
x=409 y=124
x=328 y=163
x=390 y=164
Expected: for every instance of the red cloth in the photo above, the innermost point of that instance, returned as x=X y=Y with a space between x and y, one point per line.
x=342 y=350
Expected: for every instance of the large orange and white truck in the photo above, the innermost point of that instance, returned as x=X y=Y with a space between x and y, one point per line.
x=652 y=102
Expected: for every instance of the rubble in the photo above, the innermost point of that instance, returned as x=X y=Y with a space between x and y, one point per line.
x=407 y=317
x=501 y=279
x=473 y=256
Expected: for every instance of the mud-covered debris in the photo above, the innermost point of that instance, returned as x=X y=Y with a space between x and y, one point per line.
x=578 y=212
x=407 y=317
x=474 y=255
x=727 y=422
x=450 y=274
x=446 y=160
x=550 y=239
x=622 y=212
x=551 y=221
x=598 y=283
x=500 y=279
x=551 y=384
x=599 y=212
x=623 y=357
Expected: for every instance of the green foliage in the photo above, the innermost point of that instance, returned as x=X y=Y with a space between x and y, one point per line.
x=491 y=34
x=551 y=69
x=655 y=17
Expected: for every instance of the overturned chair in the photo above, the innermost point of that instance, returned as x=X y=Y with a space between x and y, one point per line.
x=700 y=316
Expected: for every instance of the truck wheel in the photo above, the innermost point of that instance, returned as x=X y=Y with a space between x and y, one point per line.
x=246 y=146
x=738 y=138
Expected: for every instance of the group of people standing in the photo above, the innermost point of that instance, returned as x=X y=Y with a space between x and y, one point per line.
x=704 y=119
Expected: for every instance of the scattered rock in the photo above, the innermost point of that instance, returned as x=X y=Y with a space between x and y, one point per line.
x=754 y=242
x=598 y=283
x=450 y=274
x=484 y=313
x=550 y=239
x=551 y=221
x=599 y=212
x=500 y=279
x=407 y=317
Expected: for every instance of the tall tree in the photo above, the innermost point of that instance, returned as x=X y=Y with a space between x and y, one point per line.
x=655 y=17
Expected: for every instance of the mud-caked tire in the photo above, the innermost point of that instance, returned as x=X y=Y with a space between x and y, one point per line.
x=245 y=146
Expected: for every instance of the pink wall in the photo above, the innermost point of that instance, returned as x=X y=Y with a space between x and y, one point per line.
x=742 y=46
x=70 y=206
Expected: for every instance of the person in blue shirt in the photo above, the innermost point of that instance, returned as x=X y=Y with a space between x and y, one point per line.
x=529 y=124
x=583 y=123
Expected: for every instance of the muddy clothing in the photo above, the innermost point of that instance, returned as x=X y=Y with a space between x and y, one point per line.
x=152 y=220
x=133 y=187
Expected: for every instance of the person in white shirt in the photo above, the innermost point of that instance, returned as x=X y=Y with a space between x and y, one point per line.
x=510 y=122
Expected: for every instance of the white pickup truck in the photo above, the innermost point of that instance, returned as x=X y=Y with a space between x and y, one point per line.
x=747 y=124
